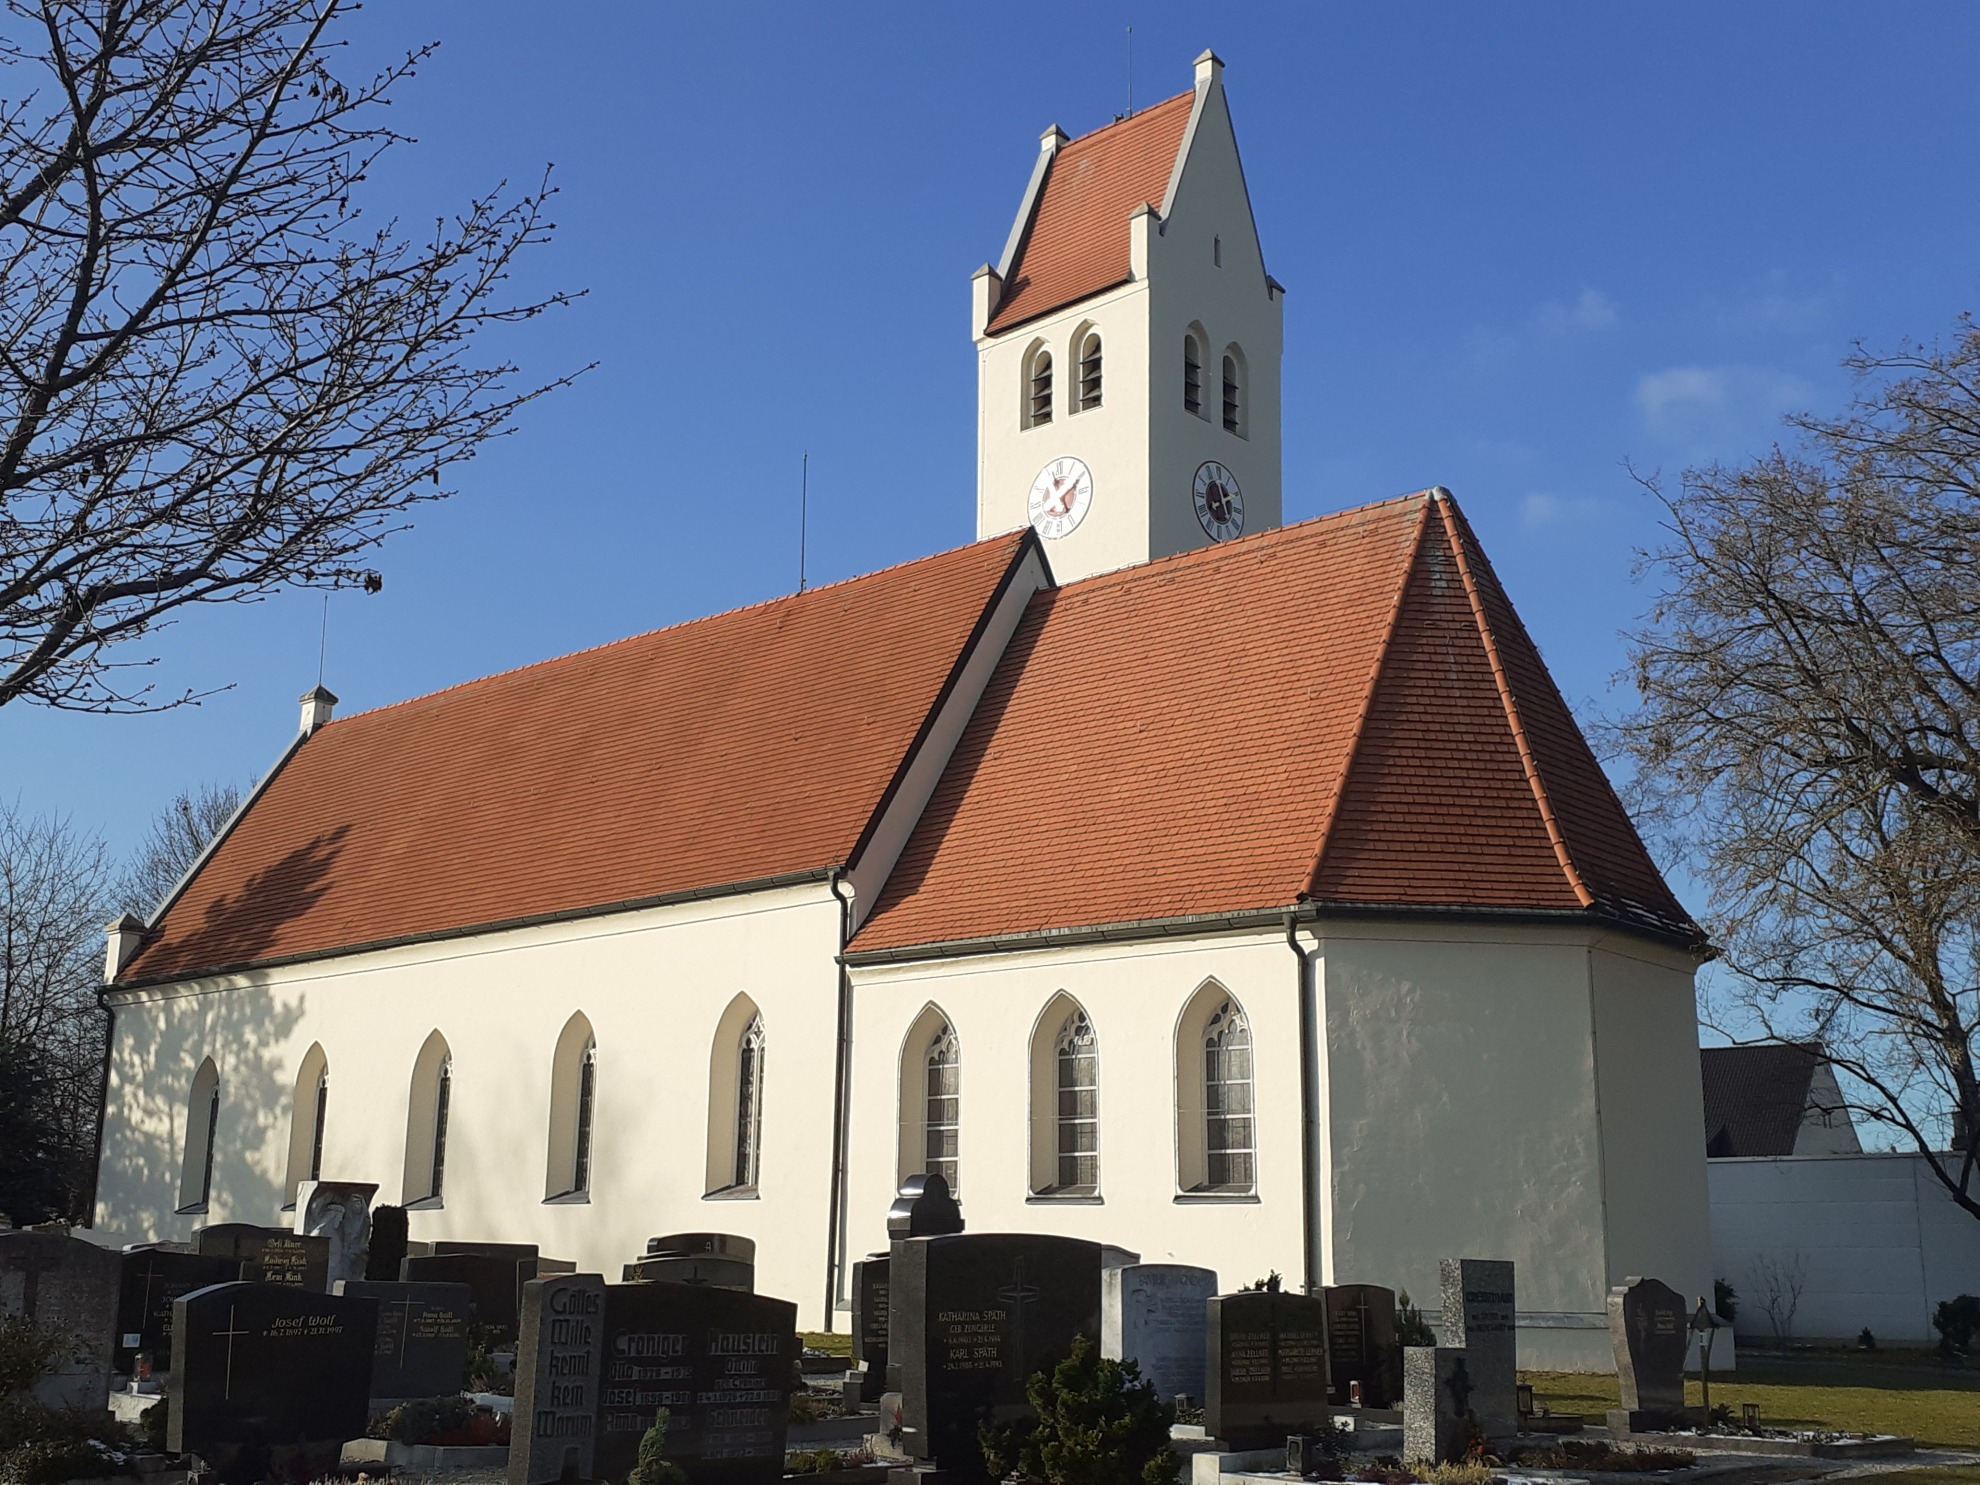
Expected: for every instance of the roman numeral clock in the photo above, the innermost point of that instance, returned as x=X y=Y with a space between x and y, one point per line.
x=1219 y=502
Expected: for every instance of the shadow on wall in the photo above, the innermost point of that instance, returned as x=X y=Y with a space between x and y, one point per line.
x=160 y=1045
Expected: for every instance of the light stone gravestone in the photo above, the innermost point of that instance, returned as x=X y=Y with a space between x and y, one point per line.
x=559 y=1362
x=1480 y=1320
x=341 y=1212
x=70 y=1286
x=1649 y=1327
x=1439 y=1400
x=1152 y=1314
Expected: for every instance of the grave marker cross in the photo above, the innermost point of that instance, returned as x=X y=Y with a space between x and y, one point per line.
x=227 y=1387
x=31 y=1269
x=1458 y=1384
x=1016 y=1295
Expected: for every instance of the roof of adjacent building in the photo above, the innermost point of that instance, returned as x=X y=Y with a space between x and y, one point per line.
x=1756 y=1098
x=1077 y=244
x=739 y=748
x=1345 y=712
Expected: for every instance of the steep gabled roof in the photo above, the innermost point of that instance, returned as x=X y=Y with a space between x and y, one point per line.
x=1756 y=1098
x=1345 y=712
x=1076 y=244
x=739 y=748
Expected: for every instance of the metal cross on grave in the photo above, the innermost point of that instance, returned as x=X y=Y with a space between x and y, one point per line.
x=31 y=1269
x=1016 y=1295
x=227 y=1387
x=1458 y=1384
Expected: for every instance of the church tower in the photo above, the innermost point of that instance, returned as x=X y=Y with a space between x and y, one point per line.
x=1128 y=345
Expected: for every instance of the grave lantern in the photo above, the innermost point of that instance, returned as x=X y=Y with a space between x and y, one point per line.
x=1523 y=1399
x=1749 y=1414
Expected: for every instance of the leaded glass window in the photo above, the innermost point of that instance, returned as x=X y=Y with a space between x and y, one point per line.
x=941 y=1111
x=1077 y=1056
x=1228 y=1141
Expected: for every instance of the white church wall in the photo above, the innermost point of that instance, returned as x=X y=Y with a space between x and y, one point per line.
x=653 y=984
x=1134 y=995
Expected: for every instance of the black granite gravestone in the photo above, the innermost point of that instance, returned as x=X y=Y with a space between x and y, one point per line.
x=1480 y=1318
x=269 y=1255
x=973 y=1317
x=1649 y=1328
x=680 y=1268
x=495 y=1280
x=1266 y=1368
x=64 y=1284
x=422 y=1348
x=924 y=1208
x=269 y=1381
x=869 y=1333
x=152 y=1278
x=720 y=1362
x=1361 y=1344
x=699 y=1244
x=388 y=1244
x=559 y=1365
x=516 y=1252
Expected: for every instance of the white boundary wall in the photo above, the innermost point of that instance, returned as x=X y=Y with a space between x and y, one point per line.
x=1882 y=1241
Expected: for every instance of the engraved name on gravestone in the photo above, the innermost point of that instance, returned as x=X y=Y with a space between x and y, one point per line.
x=1649 y=1329
x=869 y=1336
x=973 y=1316
x=559 y=1363
x=495 y=1279
x=1479 y=1319
x=721 y=1362
x=1266 y=1372
x=1361 y=1344
x=1437 y=1405
x=70 y=1286
x=341 y=1212
x=152 y=1278
x=269 y=1381
x=269 y=1255
x=422 y=1347
x=1153 y=1315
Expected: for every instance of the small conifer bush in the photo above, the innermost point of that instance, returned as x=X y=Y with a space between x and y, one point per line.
x=1099 y=1423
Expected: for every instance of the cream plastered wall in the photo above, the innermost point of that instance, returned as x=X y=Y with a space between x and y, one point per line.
x=1473 y=1110
x=654 y=984
x=1133 y=995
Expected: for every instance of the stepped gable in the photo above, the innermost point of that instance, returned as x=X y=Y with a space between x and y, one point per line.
x=1076 y=244
x=1310 y=714
x=750 y=745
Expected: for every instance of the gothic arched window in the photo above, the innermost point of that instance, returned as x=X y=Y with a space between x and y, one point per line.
x=1038 y=387
x=1078 y=1119
x=1088 y=395
x=942 y=1122
x=1234 y=392
x=427 y=1109
x=735 y=1102
x=573 y=1097
x=1192 y=375
x=202 y=1131
x=1216 y=1128
x=309 y=1114
x=749 y=1104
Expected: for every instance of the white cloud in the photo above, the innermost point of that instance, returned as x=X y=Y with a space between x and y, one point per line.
x=1591 y=310
x=1718 y=411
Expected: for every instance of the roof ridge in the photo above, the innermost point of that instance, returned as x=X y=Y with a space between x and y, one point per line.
x=1332 y=807
x=1130 y=118
x=1456 y=531
x=1011 y=537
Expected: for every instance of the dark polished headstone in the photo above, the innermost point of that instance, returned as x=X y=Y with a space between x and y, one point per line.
x=269 y=1381
x=1153 y=1315
x=269 y=1255
x=869 y=1333
x=151 y=1279
x=1361 y=1344
x=1266 y=1370
x=1480 y=1319
x=720 y=1362
x=495 y=1279
x=559 y=1367
x=924 y=1208
x=388 y=1244
x=64 y=1284
x=444 y=1247
x=1437 y=1405
x=1649 y=1329
x=422 y=1348
x=973 y=1317
x=722 y=1273
x=698 y=1244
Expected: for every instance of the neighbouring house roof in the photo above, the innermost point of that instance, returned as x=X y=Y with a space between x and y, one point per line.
x=1345 y=712
x=1756 y=1098
x=747 y=746
x=1076 y=243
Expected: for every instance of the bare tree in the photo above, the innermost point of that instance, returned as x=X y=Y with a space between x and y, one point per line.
x=1810 y=731
x=1777 y=1281
x=178 y=833
x=215 y=379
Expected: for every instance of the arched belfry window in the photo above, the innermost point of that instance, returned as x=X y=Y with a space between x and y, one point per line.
x=1234 y=395
x=931 y=1099
x=1216 y=1124
x=1089 y=371
x=428 y=1107
x=1065 y=1093
x=309 y=1117
x=573 y=1104
x=1037 y=409
x=1193 y=375
x=736 y=1102
x=202 y=1133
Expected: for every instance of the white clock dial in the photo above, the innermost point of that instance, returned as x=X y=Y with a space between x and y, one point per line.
x=1060 y=497
x=1219 y=502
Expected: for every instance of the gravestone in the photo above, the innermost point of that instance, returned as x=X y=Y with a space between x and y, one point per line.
x=495 y=1281
x=703 y=1244
x=1480 y=1320
x=1361 y=1344
x=1113 y=1257
x=680 y=1268
x=341 y=1212
x=869 y=1330
x=446 y=1247
x=268 y=1381
x=388 y=1244
x=559 y=1364
x=1265 y=1374
x=723 y=1365
x=972 y=1317
x=422 y=1345
x=269 y=1255
x=924 y=1208
x=1153 y=1314
x=1650 y=1329
x=69 y=1286
x=150 y=1280
x=1437 y=1405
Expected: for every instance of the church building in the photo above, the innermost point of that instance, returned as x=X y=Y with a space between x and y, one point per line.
x=1237 y=893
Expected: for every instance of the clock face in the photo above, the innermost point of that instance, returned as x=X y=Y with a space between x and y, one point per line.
x=1060 y=497
x=1219 y=502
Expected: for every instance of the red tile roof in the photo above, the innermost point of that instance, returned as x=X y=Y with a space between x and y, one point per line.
x=750 y=745
x=1077 y=243
x=1346 y=711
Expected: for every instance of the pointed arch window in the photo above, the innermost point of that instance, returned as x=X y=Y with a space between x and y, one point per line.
x=1233 y=394
x=1192 y=376
x=587 y=1094
x=309 y=1122
x=316 y=1130
x=1038 y=387
x=1089 y=372
x=1228 y=1146
x=442 y=1099
x=202 y=1133
x=736 y=1103
x=749 y=1104
x=1078 y=1084
x=573 y=1099
x=942 y=1122
x=429 y=1107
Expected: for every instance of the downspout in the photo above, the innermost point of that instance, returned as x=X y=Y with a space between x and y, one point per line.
x=841 y=1077
x=102 y=1102
x=1308 y=1107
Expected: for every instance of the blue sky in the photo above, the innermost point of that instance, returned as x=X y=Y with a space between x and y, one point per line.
x=1524 y=244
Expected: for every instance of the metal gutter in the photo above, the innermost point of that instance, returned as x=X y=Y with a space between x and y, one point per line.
x=841 y=1081
x=1309 y=1107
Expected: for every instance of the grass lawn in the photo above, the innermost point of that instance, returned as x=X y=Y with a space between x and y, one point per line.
x=1882 y=1392
x=832 y=1345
